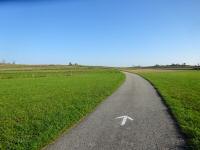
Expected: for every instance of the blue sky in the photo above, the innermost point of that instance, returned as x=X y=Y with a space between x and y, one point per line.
x=100 y=32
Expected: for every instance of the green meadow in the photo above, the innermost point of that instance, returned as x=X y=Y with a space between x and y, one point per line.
x=37 y=104
x=181 y=93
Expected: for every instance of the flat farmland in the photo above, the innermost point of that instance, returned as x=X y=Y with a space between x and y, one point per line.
x=37 y=104
x=181 y=93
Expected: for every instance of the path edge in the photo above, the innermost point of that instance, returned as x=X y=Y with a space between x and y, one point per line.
x=67 y=130
x=169 y=110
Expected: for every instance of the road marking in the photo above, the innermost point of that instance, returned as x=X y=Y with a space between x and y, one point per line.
x=124 y=119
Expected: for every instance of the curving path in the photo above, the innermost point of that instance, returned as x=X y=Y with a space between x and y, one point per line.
x=151 y=128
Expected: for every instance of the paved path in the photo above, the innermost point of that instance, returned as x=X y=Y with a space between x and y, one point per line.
x=151 y=129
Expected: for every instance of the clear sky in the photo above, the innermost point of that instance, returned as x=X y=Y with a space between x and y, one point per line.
x=100 y=32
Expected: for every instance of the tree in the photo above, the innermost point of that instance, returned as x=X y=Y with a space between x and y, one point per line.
x=70 y=64
x=157 y=65
x=184 y=64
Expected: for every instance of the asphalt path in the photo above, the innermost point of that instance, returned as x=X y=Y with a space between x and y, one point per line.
x=150 y=126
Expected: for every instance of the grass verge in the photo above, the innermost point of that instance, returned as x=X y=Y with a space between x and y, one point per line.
x=36 y=106
x=181 y=92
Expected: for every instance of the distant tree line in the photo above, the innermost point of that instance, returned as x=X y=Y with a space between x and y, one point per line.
x=197 y=67
x=5 y=62
x=71 y=64
x=183 y=65
x=178 y=66
x=172 y=66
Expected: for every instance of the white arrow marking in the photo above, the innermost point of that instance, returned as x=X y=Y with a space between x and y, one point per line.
x=124 y=119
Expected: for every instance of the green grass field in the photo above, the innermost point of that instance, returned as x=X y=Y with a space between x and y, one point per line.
x=37 y=105
x=181 y=92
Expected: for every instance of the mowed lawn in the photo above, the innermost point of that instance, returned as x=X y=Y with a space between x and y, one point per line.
x=181 y=92
x=37 y=106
